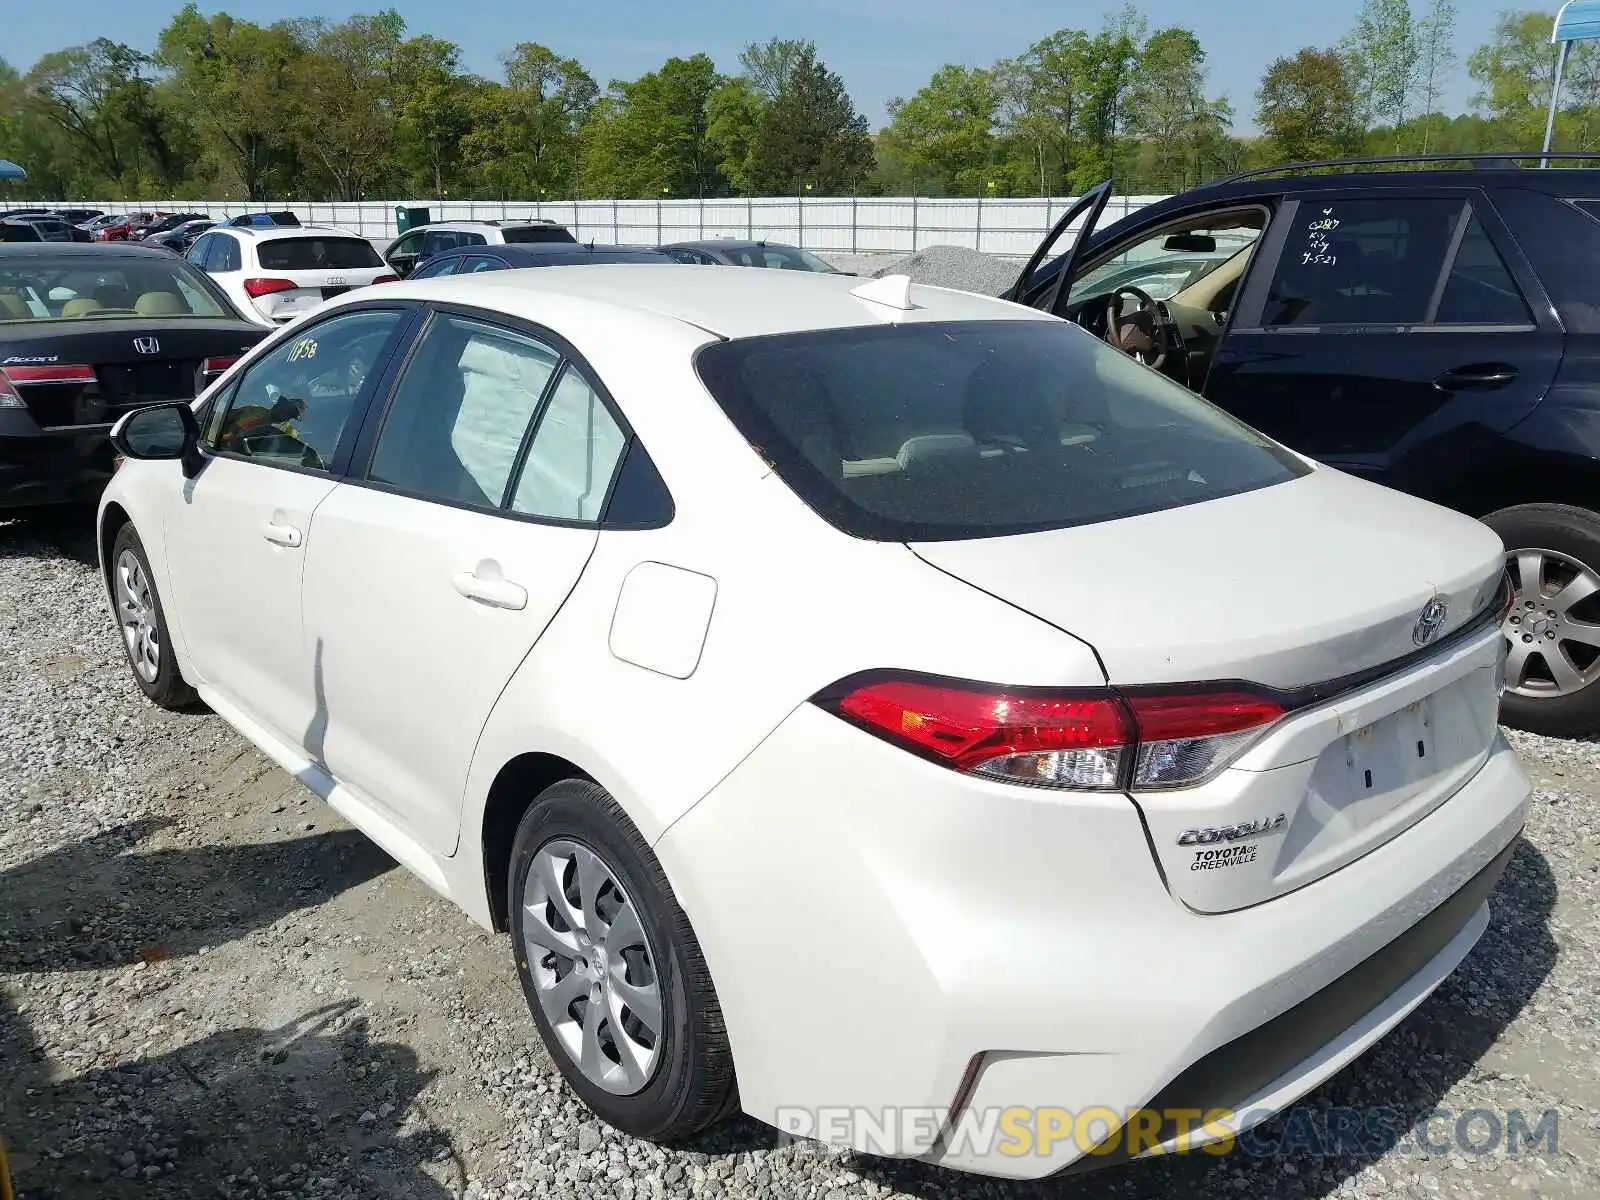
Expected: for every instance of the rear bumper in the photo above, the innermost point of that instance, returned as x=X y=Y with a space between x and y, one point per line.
x=53 y=467
x=890 y=939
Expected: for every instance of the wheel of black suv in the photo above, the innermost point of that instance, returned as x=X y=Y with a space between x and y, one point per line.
x=143 y=625
x=1553 y=628
x=612 y=970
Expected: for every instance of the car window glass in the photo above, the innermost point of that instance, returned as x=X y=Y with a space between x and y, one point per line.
x=472 y=239
x=436 y=268
x=291 y=406
x=461 y=411
x=478 y=263
x=436 y=240
x=408 y=244
x=227 y=256
x=201 y=249
x=1362 y=261
x=1480 y=290
x=573 y=457
x=1163 y=263
x=317 y=254
x=940 y=430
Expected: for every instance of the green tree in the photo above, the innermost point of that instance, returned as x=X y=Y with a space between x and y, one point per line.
x=1168 y=108
x=1307 y=107
x=769 y=65
x=344 y=100
x=229 y=80
x=1436 y=63
x=733 y=116
x=650 y=137
x=811 y=135
x=1515 y=72
x=944 y=133
x=1382 y=54
x=432 y=110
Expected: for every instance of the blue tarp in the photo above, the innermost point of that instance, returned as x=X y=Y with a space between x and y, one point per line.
x=10 y=170
x=1578 y=21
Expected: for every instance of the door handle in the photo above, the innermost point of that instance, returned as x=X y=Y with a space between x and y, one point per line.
x=281 y=534
x=487 y=586
x=1478 y=376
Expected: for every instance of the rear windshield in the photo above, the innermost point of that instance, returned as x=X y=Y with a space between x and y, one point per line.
x=928 y=432
x=41 y=287
x=317 y=254
x=536 y=233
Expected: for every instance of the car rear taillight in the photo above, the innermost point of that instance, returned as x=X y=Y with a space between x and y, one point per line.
x=256 y=288
x=217 y=364
x=387 y=279
x=1097 y=740
x=49 y=373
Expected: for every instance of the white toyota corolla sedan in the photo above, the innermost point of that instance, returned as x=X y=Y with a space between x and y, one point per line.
x=886 y=710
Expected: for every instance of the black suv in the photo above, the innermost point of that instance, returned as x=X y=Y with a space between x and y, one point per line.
x=1433 y=329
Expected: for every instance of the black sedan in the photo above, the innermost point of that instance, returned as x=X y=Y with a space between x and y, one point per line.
x=726 y=252
x=468 y=260
x=86 y=334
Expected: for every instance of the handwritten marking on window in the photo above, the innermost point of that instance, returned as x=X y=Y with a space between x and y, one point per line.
x=305 y=348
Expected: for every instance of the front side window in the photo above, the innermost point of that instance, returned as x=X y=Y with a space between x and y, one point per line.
x=291 y=407
x=1362 y=262
x=1163 y=263
x=574 y=455
x=948 y=430
x=461 y=411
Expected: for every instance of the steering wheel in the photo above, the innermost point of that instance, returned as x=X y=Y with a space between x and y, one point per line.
x=1145 y=334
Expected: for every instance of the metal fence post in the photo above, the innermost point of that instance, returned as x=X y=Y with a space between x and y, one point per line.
x=853 y=249
x=913 y=224
x=800 y=218
x=977 y=236
x=615 y=237
x=577 y=221
x=658 y=220
x=749 y=219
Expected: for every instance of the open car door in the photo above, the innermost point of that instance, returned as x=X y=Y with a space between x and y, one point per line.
x=1043 y=285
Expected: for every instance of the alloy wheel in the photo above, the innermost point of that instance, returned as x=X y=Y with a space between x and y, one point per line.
x=593 y=967
x=1553 y=651
x=136 y=608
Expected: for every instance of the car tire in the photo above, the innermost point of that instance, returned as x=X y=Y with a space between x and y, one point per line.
x=682 y=1078
x=142 y=622
x=1560 y=542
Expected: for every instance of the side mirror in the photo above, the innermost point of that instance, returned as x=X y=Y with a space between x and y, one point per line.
x=1191 y=243
x=162 y=431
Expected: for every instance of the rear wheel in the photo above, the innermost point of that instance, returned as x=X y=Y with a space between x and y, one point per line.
x=611 y=968
x=1553 y=629
x=143 y=625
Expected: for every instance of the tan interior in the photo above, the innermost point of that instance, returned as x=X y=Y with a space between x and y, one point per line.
x=13 y=307
x=81 y=307
x=160 y=304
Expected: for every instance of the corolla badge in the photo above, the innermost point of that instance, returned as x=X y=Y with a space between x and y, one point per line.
x=1430 y=621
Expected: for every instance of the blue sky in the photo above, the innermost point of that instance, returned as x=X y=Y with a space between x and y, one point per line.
x=883 y=48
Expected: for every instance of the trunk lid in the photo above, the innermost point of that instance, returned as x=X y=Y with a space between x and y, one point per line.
x=125 y=376
x=1313 y=589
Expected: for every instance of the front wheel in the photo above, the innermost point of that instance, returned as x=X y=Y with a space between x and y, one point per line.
x=1553 y=628
x=143 y=625
x=612 y=971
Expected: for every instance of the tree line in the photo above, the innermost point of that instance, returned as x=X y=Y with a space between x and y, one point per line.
x=313 y=109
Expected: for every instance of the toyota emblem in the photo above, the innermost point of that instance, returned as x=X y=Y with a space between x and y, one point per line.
x=1430 y=621
x=147 y=345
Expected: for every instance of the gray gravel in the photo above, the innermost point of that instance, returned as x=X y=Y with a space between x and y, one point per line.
x=938 y=266
x=211 y=987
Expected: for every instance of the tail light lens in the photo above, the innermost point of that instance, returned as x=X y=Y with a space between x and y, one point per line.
x=216 y=365
x=1099 y=741
x=52 y=373
x=256 y=288
x=387 y=279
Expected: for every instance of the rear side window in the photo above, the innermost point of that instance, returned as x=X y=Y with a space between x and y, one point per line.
x=1362 y=262
x=1480 y=289
x=926 y=432
x=225 y=256
x=536 y=233
x=574 y=455
x=317 y=254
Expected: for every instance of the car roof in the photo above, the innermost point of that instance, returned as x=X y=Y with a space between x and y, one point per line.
x=272 y=233
x=81 y=250
x=730 y=304
x=727 y=244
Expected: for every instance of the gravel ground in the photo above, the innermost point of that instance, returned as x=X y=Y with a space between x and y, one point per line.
x=939 y=266
x=211 y=987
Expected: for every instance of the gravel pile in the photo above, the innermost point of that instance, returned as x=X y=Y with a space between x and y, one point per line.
x=939 y=266
x=211 y=987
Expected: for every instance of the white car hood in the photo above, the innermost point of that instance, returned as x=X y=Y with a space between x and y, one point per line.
x=1294 y=584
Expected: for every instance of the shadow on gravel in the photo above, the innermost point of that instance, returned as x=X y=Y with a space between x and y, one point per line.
x=92 y=904
x=1404 y=1078
x=313 y=1108
x=67 y=531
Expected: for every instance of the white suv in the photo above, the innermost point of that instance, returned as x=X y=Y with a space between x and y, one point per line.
x=275 y=275
x=416 y=246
